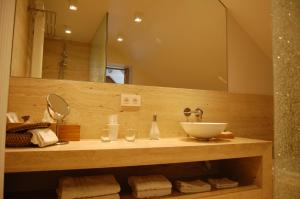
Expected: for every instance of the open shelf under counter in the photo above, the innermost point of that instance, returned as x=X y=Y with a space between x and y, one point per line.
x=88 y=154
x=247 y=161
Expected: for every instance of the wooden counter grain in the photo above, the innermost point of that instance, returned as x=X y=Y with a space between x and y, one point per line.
x=87 y=154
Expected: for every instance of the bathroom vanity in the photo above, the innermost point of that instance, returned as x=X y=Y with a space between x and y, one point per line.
x=247 y=160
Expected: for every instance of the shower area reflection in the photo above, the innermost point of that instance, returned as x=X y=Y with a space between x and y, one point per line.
x=69 y=59
x=63 y=63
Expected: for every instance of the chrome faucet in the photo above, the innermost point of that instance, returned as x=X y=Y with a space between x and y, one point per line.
x=198 y=113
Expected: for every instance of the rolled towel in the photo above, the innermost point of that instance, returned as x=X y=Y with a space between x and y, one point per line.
x=222 y=183
x=152 y=193
x=88 y=186
x=195 y=186
x=43 y=137
x=226 y=135
x=151 y=182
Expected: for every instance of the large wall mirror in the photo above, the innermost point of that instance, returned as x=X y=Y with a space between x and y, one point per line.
x=172 y=43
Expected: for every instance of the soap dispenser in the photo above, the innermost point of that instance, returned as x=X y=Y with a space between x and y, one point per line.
x=154 y=131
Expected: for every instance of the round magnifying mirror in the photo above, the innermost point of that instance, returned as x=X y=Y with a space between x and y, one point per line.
x=58 y=109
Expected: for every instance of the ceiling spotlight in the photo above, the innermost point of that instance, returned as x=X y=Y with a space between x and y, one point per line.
x=120 y=39
x=73 y=5
x=138 y=19
x=68 y=30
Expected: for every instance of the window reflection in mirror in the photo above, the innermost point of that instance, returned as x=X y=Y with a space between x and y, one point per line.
x=169 y=43
x=117 y=75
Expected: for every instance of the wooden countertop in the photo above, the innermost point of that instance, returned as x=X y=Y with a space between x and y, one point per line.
x=86 y=154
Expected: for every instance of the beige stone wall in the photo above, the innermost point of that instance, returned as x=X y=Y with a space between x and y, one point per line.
x=91 y=103
x=286 y=42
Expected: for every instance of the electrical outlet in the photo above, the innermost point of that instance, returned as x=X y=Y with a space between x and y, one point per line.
x=131 y=100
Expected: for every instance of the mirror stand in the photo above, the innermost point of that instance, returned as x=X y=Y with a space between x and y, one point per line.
x=60 y=142
x=58 y=109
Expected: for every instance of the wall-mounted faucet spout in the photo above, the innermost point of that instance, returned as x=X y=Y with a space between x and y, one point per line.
x=198 y=113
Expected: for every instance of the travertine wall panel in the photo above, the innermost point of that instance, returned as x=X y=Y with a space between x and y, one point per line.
x=91 y=103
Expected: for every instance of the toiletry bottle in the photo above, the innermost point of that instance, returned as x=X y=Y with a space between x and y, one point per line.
x=154 y=131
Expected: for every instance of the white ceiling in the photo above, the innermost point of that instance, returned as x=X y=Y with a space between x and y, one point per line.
x=254 y=16
x=83 y=22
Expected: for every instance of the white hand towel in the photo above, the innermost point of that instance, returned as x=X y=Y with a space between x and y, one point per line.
x=88 y=186
x=151 y=182
x=223 y=183
x=152 y=193
x=195 y=186
x=112 y=196
x=43 y=137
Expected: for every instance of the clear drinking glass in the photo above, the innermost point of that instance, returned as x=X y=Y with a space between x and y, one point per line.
x=105 y=135
x=130 y=135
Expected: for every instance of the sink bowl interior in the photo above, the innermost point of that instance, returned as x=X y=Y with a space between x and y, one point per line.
x=203 y=130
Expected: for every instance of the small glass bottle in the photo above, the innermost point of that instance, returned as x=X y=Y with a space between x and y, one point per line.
x=154 y=131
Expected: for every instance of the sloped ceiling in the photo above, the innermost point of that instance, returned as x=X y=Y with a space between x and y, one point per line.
x=254 y=16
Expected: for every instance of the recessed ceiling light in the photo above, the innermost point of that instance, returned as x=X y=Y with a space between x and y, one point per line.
x=138 y=19
x=73 y=7
x=120 y=39
x=68 y=30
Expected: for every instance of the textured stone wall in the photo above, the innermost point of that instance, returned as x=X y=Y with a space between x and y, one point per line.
x=286 y=53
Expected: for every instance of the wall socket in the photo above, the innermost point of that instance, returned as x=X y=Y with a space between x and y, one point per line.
x=131 y=100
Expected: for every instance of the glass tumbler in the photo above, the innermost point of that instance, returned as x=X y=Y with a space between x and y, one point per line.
x=130 y=135
x=105 y=135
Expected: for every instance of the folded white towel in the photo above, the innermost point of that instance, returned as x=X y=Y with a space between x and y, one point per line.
x=88 y=186
x=195 y=186
x=112 y=196
x=43 y=137
x=151 y=182
x=152 y=193
x=223 y=183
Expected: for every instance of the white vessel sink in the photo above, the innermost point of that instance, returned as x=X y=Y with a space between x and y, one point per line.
x=203 y=130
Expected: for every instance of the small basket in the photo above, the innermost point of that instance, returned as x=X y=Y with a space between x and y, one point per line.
x=18 y=136
x=18 y=139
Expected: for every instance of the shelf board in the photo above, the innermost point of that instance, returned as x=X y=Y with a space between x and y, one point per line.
x=251 y=191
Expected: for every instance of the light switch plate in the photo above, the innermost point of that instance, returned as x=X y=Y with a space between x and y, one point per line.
x=131 y=100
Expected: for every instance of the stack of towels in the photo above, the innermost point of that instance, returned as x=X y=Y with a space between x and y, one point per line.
x=222 y=183
x=92 y=187
x=43 y=137
x=150 y=186
x=195 y=186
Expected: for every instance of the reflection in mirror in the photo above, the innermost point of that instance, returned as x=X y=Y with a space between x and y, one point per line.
x=58 y=108
x=161 y=43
